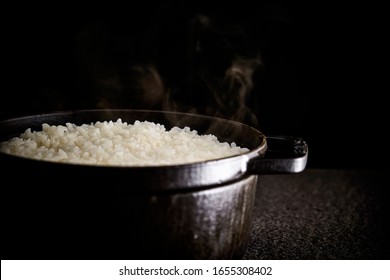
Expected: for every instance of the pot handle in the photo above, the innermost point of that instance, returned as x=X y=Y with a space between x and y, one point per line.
x=284 y=154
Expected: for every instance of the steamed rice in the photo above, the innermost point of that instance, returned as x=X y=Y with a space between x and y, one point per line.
x=118 y=143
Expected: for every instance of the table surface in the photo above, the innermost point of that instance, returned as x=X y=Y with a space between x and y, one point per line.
x=321 y=214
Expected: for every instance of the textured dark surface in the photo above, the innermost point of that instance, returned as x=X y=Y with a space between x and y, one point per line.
x=321 y=214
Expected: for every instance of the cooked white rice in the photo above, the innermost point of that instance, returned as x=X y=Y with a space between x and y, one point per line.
x=118 y=143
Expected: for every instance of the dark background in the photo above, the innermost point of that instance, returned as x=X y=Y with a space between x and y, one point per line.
x=319 y=78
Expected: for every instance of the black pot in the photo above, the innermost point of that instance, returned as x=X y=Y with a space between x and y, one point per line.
x=191 y=211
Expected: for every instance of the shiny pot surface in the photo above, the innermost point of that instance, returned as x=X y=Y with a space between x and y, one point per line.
x=192 y=211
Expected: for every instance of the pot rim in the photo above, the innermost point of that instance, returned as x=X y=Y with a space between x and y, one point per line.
x=260 y=149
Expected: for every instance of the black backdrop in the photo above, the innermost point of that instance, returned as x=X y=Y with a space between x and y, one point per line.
x=319 y=79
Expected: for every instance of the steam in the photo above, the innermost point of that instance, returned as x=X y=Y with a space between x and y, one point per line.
x=204 y=69
x=219 y=80
x=148 y=86
x=237 y=85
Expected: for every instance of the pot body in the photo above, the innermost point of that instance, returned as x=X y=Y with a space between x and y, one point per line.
x=190 y=211
x=212 y=223
x=44 y=221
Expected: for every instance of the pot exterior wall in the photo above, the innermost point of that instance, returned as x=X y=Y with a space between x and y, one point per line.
x=209 y=223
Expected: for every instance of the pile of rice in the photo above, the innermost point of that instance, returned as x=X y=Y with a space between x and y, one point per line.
x=118 y=143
